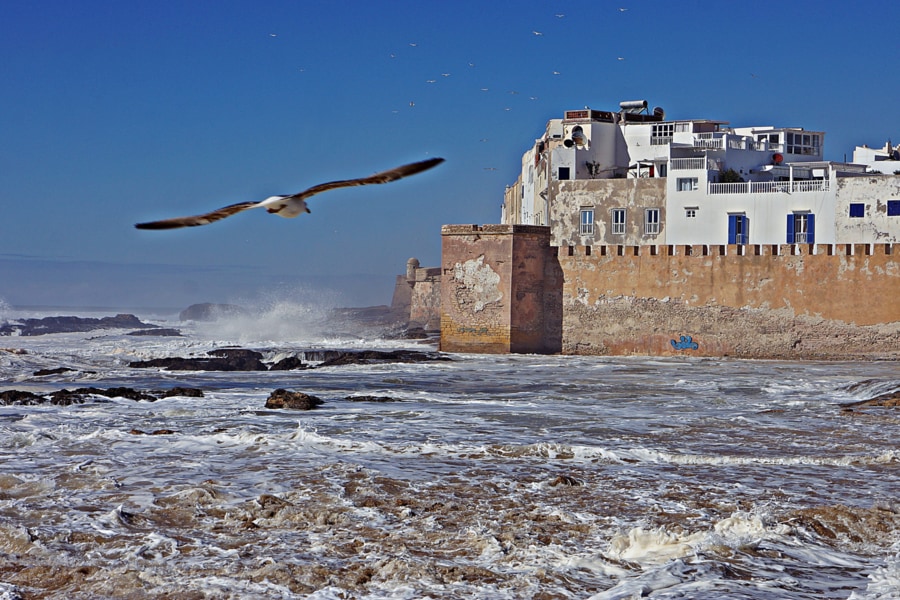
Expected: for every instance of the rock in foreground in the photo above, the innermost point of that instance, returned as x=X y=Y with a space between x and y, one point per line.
x=282 y=398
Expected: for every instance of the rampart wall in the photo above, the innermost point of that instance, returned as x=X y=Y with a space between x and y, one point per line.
x=425 y=301
x=773 y=301
x=505 y=289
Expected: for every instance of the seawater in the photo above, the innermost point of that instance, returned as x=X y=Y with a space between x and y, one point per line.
x=489 y=476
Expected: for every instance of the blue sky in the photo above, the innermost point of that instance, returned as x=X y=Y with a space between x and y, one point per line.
x=118 y=112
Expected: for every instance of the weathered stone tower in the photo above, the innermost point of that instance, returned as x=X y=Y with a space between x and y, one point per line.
x=501 y=290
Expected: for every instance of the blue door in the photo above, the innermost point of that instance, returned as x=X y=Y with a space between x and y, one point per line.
x=801 y=228
x=738 y=229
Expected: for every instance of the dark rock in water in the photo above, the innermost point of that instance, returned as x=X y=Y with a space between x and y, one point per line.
x=156 y=432
x=282 y=398
x=157 y=331
x=239 y=359
x=888 y=400
x=289 y=364
x=236 y=353
x=80 y=396
x=56 y=371
x=367 y=357
x=416 y=333
x=20 y=397
x=565 y=480
x=372 y=399
x=210 y=312
x=180 y=391
x=223 y=360
x=30 y=327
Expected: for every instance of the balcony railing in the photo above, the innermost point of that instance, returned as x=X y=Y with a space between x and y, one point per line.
x=710 y=144
x=681 y=164
x=770 y=187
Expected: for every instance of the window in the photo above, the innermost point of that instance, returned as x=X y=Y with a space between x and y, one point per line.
x=661 y=134
x=618 y=221
x=690 y=212
x=894 y=208
x=738 y=229
x=803 y=143
x=687 y=184
x=587 y=221
x=651 y=221
x=857 y=210
x=563 y=173
x=801 y=228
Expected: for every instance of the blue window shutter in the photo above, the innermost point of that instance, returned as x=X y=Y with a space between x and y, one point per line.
x=811 y=228
x=790 y=229
x=745 y=229
x=893 y=208
x=732 y=229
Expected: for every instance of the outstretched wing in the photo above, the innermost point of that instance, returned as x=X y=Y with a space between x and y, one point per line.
x=196 y=220
x=383 y=177
x=216 y=215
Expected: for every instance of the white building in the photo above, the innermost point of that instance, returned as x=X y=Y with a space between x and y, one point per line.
x=723 y=185
x=885 y=160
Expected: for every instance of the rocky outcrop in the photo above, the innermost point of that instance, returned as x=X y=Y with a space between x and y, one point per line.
x=45 y=325
x=365 y=398
x=81 y=395
x=228 y=359
x=888 y=400
x=56 y=371
x=157 y=331
x=290 y=363
x=282 y=398
x=239 y=359
x=368 y=357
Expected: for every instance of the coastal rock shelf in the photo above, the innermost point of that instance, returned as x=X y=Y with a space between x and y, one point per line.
x=239 y=359
x=66 y=324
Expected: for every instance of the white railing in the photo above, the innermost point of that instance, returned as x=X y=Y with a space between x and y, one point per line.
x=660 y=140
x=682 y=164
x=769 y=187
x=711 y=144
x=765 y=146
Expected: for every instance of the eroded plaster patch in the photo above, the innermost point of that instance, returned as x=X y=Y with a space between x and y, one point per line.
x=480 y=281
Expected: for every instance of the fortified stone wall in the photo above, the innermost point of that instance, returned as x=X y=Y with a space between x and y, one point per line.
x=787 y=301
x=417 y=297
x=425 y=301
x=505 y=289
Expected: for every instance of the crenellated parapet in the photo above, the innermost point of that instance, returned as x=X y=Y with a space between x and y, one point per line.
x=889 y=249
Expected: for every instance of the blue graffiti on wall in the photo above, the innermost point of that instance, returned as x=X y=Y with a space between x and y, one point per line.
x=685 y=343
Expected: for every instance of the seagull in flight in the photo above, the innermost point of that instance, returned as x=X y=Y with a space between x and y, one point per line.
x=292 y=205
